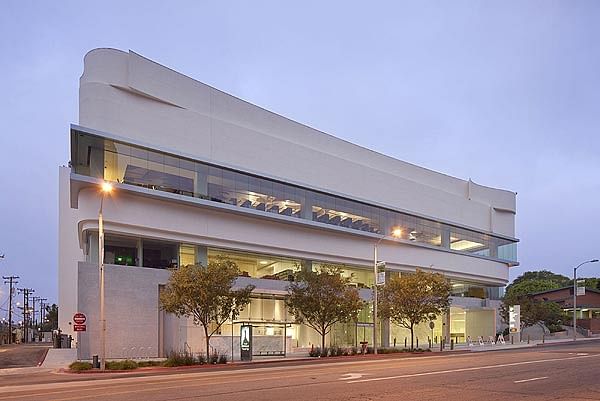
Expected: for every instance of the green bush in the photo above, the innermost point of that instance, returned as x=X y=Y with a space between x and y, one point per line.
x=127 y=364
x=184 y=359
x=314 y=352
x=223 y=358
x=79 y=366
x=145 y=364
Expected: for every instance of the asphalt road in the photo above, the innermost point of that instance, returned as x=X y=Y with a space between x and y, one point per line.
x=22 y=355
x=565 y=372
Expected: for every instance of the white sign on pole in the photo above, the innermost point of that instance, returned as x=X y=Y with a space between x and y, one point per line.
x=514 y=319
x=580 y=287
x=380 y=273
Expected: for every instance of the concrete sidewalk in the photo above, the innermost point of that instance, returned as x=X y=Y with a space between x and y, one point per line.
x=57 y=358
x=476 y=347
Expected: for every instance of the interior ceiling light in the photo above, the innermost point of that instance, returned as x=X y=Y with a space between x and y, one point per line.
x=463 y=245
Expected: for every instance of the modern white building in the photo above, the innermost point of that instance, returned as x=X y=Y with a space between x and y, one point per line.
x=200 y=173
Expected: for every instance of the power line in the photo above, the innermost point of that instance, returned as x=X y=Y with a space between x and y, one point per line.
x=11 y=281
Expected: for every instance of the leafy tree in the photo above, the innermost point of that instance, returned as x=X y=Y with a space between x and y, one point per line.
x=533 y=311
x=414 y=298
x=322 y=299
x=51 y=322
x=533 y=286
x=590 y=282
x=206 y=294
x=550 y=280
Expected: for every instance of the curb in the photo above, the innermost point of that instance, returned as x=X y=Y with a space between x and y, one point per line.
x=249 y=365
x=43 y=357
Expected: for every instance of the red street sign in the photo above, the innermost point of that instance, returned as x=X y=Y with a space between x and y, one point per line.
x=79 y=327
x=79 y=318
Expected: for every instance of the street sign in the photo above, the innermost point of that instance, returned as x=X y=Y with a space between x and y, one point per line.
x=580 y=287
x=514 y=318
x=380 y=273
x=79 y=318
x=79 y=327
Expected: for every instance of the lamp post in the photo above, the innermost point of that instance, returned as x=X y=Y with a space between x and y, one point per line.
x=396 y=232
x=106 y=188
x=575 y=296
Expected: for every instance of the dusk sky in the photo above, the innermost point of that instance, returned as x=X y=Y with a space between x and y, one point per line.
x=505 y=93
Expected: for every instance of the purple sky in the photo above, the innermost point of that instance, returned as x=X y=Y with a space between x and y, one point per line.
x=504 y=93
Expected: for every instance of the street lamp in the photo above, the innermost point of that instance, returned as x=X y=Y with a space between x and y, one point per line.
x=575 y=296
x=106 y=188
x=396 y=233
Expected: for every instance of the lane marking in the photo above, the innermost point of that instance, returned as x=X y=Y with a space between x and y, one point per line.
x=351 y=376
x=441 y=372
x=530 y=380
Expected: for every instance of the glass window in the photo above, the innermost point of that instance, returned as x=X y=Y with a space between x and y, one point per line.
x=187 y=255
x=161 y=255
x=155 y=170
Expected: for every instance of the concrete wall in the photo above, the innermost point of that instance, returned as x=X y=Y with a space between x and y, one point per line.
x=139 y=216
x=131 y=309
x=144 y=102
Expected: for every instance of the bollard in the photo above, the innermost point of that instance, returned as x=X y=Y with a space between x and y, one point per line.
x=436 y=339
x=512 y=340
x=394 y=342
x=527 y=338
x=544 y=338
x=404 y=342
x=451 y=344
x=95 y=362
x=441 y=345
x=417 y=342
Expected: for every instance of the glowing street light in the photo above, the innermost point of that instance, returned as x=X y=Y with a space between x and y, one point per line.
x=106 y=188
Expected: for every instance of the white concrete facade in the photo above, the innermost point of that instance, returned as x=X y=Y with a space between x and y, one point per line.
x=126 y=97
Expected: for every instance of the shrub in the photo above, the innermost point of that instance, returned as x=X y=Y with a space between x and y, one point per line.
x=314 y=352
x=145 y=364
x=79 y=366
x=324 y=352
x=127 y=364
x=214 y=358
x=183 y=359
x=223 y=358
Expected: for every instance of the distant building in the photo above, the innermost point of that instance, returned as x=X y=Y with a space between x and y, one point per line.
x=200 y=173
x=588 y=305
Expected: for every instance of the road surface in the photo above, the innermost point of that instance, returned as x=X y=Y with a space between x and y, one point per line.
x=565 y=372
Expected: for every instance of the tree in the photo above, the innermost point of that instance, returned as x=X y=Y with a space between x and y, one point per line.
x=533 y=311
x=544 y=314
x=411 y=299
x=51 y=322
x=322 y=299
x=206 y=294
x=544 y=278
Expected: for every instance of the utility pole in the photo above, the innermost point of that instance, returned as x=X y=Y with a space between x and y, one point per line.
x=11 y=281
x=26 y=314
x=34 y=316
x=42 y=303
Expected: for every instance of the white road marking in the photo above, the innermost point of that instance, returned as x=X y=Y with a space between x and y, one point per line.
x=530 y=380
x=582 y=353
x=440 y=372
x=351 y=376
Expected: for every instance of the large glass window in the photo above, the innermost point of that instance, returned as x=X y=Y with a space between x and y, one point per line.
x=120 y=251
x=155 y=170
x=162 y=255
